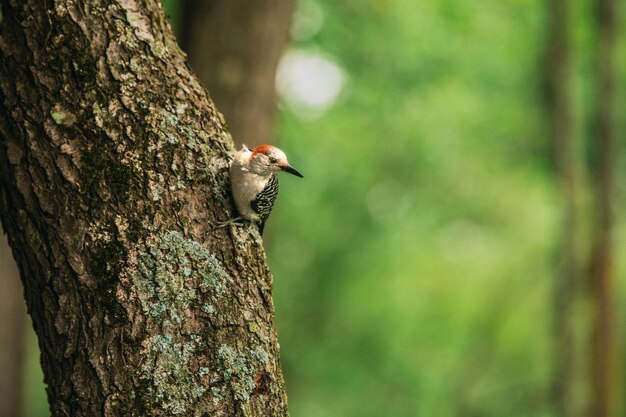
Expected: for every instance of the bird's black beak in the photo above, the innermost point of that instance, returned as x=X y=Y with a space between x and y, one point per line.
x=292 y=170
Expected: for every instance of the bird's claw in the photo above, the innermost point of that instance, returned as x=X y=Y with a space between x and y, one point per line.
x=235 y=222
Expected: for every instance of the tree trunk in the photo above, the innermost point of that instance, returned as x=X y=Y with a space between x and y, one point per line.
x=560 y=109
x=113 y=165
x=234 y=47
x=602 y=275
x=13 y=316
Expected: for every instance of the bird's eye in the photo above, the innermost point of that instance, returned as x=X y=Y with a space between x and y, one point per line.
x=273 y=160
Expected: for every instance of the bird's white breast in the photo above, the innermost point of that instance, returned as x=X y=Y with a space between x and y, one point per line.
x=245 y=185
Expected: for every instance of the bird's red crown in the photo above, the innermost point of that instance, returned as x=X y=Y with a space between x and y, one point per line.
x=262 y=149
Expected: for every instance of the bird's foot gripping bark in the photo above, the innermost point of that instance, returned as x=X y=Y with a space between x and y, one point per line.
x=237 y=221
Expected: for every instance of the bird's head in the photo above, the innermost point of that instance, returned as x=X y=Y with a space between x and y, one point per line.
x=266 y=159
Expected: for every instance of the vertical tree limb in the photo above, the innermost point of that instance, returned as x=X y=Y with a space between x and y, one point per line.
x=13 y=316
x=234 y=46
x=602 y=273
x=560 y=109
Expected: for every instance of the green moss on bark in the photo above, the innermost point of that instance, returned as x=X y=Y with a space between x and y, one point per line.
x=242 y=372
x=168 y=272
x=238 y=372
x=171 y=382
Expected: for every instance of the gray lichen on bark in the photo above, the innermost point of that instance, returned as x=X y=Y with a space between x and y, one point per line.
x=113 y=165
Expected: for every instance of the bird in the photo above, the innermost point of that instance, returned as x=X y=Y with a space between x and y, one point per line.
x=254 y=183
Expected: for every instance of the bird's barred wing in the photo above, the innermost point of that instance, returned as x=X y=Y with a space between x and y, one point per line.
x=264 y=201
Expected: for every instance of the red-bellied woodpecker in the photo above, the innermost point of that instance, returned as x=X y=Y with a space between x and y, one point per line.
x=254 y=183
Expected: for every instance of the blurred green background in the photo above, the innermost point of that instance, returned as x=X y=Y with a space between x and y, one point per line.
x=414 y=264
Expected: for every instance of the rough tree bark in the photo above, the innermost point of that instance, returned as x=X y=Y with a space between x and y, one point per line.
x=234 y=47
x=113 y=164
x=560 y=110
x=604 y=369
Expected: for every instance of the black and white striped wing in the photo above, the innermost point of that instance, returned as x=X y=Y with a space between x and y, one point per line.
x=264 y=201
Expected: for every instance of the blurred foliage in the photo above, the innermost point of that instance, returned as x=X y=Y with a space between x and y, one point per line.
x=34 y=402
x=414 y=262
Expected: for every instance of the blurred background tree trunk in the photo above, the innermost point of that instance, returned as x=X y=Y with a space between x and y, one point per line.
x=560 y=110
x=13 y=322
x=234 y=47
x=604 y=365
x=113 y=165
